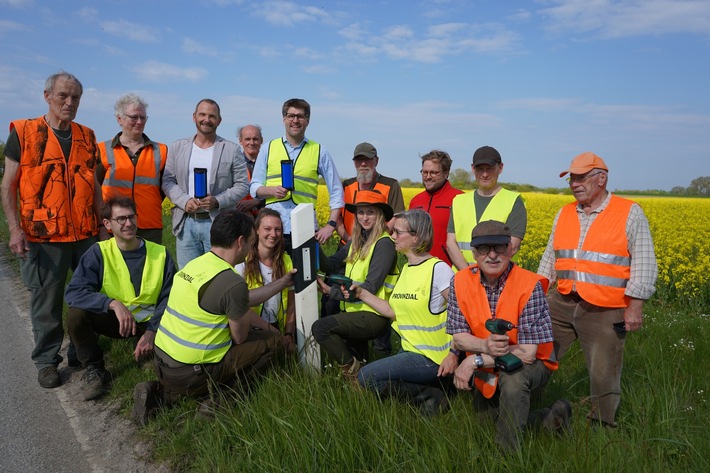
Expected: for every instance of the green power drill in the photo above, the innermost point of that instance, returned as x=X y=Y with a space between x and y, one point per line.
x=507 y=362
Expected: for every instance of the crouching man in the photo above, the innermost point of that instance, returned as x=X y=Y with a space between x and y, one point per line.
x=496 y=288
x=119 y=289
x=205 y=337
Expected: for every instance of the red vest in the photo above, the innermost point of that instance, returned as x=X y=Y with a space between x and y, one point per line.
x=473 y=303
x=438 y=205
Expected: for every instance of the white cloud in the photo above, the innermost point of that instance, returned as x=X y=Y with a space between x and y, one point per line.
x=624 y=18
x=88 y=13
x=287 y=13
x=132 y=31
x=319 y=69
x=192 y=46
x=154 y=71
x=435 y=43
x=7 y=26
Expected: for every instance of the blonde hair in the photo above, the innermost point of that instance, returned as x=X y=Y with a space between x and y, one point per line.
x=359 y=246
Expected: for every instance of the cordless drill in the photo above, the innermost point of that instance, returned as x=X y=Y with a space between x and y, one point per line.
x=507 y=362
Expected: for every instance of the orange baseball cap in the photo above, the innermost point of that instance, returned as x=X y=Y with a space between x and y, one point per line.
x=584 y=163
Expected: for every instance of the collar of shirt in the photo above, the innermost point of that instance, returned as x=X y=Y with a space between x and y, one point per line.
x=116 y=141
x=598 y=209
x=501 y=280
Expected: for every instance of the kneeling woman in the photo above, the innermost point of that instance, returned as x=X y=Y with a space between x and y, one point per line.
x=418 y=307
x=267 y=270
x=370 y=260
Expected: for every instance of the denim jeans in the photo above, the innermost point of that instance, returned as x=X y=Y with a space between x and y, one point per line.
x=193 y=240
x=404 y=366
x=573 y=318
x=44 y=271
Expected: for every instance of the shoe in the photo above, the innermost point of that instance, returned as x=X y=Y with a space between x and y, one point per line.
x=431 y=402
x=48 y=377
x=351 y=370
x=96 y=381
x=559 y=418
x=146 y=402
x=208 y=408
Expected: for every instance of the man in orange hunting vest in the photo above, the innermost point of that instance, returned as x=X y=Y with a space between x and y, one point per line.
x=496 y=288
x=50 y=166
x=601 y=254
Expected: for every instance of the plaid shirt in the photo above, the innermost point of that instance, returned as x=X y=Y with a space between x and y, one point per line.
x=534 y=324
x=644 y=269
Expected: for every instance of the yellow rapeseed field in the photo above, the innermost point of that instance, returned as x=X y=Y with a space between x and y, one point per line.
x=680 y=228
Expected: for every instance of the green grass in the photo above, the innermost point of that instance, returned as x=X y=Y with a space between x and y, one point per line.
x=296 y=422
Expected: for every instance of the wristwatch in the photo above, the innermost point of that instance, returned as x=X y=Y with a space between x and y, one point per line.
x=332 y=223
x=479 y=361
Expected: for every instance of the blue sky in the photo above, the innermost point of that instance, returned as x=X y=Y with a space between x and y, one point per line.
x=541 y=81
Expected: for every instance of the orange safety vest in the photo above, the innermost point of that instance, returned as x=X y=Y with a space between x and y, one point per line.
x=56 y=194
x=350 y=193
x=141 y=181
x=471 y=296
x=600 y=269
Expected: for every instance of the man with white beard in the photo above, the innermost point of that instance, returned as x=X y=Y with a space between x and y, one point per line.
x=367 y=178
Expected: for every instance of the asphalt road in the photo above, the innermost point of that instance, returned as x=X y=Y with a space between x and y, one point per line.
x=36 y=434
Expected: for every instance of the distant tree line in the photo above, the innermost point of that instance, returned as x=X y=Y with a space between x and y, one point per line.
x=462 y=179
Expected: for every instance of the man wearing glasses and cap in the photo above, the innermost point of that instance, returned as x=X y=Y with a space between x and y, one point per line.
x=496 y=288
x=601 y=253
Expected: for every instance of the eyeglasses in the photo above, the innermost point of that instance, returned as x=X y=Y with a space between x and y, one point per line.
x=124 y=218
x=399 y=232
x=295 y=116
x=430 y=173
x=135 y=118
x=582 y=178
x=485 y=249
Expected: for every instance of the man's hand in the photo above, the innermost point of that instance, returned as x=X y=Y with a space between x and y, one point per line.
x=145 y=345
x=192 y=205
x=633 y=315
x=497 y=345
x=18 y=242
x=464 y=373
x=448 y=365
x=208 y=203
x=324 y=234
x=272 y=191
x=248 y=205
x=126 y=322
x=287 y=279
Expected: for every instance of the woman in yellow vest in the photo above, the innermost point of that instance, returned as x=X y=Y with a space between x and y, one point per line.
x=370 y=261
x=417 y=307
x=267 y=262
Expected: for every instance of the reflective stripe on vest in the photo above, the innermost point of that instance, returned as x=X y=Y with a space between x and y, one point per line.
x=283 y=305
x=421 y=330
x=184 y=321
x=56 y=193
x=599 y=270
x=140 y=182
x=358 y=270
x=465 y=217
x=473 y=302
x=305 y=171
x=117 y=279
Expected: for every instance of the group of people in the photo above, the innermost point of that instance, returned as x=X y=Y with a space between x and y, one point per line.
x=462 y=307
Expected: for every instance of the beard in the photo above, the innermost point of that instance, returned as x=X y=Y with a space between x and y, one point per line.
x=365 y=177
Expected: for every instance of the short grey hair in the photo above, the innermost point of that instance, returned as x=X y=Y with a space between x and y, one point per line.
x=241 y=128
x=420 y=225
x=127 y=100
x=51 y=80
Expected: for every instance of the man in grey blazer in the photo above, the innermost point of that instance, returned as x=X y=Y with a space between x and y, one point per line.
x=204 y=175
